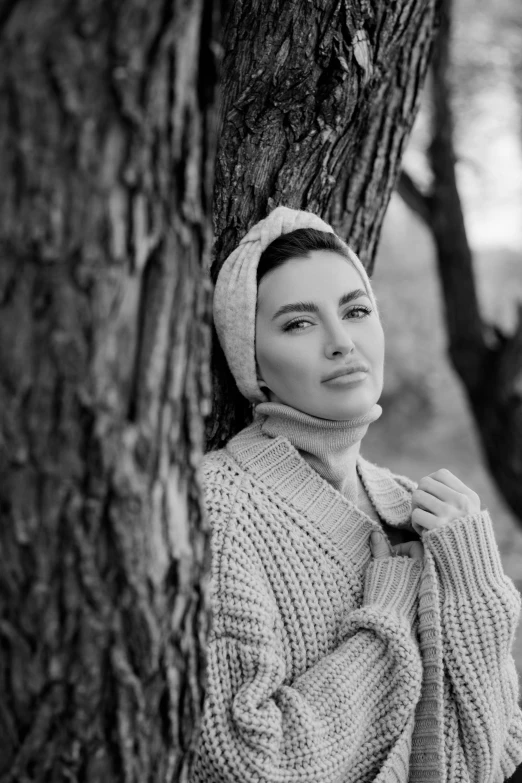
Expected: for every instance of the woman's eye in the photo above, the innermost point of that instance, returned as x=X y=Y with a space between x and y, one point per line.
x=293 y=325
x=357 y=312
x=361 y=310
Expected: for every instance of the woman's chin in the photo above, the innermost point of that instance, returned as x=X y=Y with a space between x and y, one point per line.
x=347 y=407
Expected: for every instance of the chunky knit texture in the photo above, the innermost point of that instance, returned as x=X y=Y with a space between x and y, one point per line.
x=324 y=665
x=329 y=446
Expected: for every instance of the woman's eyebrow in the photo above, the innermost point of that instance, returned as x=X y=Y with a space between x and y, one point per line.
x=311 y=307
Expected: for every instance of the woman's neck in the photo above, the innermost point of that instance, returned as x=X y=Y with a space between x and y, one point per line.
x=330 y=447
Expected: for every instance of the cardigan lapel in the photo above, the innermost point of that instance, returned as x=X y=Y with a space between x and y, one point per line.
x=276 y=463
x=390 y=496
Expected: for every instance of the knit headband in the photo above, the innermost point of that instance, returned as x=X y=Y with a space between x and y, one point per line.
x=235 y=293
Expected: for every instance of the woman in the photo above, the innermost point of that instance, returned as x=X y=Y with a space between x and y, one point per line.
x=362 y=625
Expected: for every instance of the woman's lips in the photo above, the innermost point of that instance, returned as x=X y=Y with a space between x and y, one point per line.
x=348 y=378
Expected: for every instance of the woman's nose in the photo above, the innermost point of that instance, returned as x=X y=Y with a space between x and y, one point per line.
x=339 y=341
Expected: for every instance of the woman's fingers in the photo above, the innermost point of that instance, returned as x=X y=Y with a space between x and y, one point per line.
x=440 y=503
x=447 y=478
x=379 y=545
x=429 y=502
x=381 y=548
x=437 y=489
x=425 y=520
x=446 y=486
x=413 y=549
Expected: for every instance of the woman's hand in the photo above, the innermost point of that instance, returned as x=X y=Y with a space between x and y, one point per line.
x=380 y=547
x=440 y=499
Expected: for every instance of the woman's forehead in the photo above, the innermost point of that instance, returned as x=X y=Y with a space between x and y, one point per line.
x=310 y=278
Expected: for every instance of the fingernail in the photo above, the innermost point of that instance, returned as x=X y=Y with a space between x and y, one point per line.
x=376 y=537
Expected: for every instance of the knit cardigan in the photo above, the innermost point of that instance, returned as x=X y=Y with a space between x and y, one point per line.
x=327 y=665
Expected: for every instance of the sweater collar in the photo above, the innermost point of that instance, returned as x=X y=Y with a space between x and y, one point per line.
x=329 y=446
x=278 y=465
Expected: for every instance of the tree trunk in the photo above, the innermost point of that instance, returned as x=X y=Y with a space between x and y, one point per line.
x=106 y=152
x=319 y=100
x=488 y=362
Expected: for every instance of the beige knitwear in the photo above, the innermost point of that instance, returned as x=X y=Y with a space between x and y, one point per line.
x=324 y=443
x=325 y=665
x=319 y=655
x=235 y=292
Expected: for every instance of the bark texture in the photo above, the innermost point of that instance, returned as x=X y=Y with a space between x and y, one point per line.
x=318 y=102
x=107 y=127
x=488 y=362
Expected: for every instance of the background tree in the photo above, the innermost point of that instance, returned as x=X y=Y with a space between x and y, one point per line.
x=107 y=144
x=107 y=151
x=487 y=360
x=319 y=100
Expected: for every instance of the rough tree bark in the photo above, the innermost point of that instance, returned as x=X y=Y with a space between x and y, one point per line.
x=319 y=100
x=488 y=362
x=107 y=129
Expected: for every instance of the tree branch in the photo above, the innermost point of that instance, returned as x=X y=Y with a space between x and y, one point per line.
x=467 y=346
x=488 y=362
x=413 y=197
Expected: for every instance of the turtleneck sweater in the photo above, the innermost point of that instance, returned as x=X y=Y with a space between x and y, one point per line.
x=326 y=665
x=329 y=446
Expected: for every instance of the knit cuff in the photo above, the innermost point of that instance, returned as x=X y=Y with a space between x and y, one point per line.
x=391 y=584
x=466 y=554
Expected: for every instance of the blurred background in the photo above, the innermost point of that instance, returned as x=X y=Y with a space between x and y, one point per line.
x=426 y=424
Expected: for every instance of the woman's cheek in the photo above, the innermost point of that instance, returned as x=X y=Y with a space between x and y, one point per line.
x=277 y=362
x=288 y=366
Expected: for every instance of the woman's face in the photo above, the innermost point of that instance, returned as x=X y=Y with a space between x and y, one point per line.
x=296 y=350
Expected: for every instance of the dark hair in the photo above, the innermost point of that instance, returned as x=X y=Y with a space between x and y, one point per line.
x=300 y=242
x=231 y=412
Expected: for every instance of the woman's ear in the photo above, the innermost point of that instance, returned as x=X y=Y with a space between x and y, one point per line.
x=260 y=380
x=258 y=374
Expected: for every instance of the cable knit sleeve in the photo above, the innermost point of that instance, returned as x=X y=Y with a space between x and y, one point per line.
x=479 y=613
x=348 y=717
